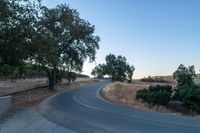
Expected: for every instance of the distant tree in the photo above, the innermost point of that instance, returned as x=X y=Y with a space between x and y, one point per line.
x=116 y=67
x=99 y=71
x=130 y=71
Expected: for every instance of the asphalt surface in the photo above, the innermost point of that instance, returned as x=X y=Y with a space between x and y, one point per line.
x=29 y=120
x=82 y=110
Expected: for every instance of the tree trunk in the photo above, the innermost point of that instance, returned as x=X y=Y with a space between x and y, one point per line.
x=52 y=79
x=130 y=79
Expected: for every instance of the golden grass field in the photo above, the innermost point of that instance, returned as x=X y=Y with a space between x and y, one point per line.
x=124 y=93
x=30 y=92
x=32 y=97
x=171 y=80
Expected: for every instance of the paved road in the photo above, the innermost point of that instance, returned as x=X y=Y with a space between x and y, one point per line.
x=83 y=110
x=29 y=120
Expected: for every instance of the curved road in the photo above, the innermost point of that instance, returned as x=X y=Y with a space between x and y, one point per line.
x=82 y=110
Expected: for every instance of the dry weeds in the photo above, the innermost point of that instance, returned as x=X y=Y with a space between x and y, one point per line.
x=171 y=80
x=34 y=96
x=125 y=94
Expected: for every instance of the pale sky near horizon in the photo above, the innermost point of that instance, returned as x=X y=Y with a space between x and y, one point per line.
x=156 y=36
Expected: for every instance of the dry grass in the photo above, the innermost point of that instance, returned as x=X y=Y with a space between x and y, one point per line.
x=34 y=96
x=7 y=87
x=124 y=93
x=171 y=80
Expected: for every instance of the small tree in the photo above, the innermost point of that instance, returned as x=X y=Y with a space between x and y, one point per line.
x=184 y=77
x=186 y=90
x=130 y=70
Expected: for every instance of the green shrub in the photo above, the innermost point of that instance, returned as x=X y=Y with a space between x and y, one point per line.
x=186 y=90
x=154 y=80
x=158 y=94
x=190 y=96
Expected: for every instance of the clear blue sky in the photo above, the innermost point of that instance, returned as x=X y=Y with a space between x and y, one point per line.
x=156 y=36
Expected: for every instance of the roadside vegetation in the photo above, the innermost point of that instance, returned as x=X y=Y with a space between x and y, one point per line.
x=34 y=96
x=159 y=94
x=125 y=93
x=37 y=40
x=185 y=91
x=180 y=96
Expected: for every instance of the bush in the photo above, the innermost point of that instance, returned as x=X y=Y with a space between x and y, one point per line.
x=158 y=94
x=149 y=79
x=186 y=90
x=154 y=80
x=190 y=96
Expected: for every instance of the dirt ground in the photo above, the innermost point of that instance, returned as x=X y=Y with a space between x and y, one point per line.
x=34 y=96
x=124 y=93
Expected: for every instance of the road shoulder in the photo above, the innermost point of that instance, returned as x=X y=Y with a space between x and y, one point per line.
x=28 y=120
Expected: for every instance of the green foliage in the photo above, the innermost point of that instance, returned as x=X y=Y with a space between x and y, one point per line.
x=190 y=96
x=31 y=70
x=99 y=71
x=70 y=76
x=64 y=40
x=184 y=76
x=71 y=37
x=158 y=94
x=129 y=72
x=16 y=31
x=186 y=90
x=54 y=40
x=116 y=67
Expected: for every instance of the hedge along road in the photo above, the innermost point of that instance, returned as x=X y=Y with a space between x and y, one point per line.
x=83 y=110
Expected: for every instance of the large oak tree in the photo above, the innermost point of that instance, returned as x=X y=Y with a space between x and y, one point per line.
x=53 y=39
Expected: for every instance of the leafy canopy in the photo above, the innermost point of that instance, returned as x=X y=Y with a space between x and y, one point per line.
x=116 y=67
x=184 y=75
x=53 y=39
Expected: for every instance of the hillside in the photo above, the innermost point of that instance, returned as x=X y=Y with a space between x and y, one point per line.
x=170 y=79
